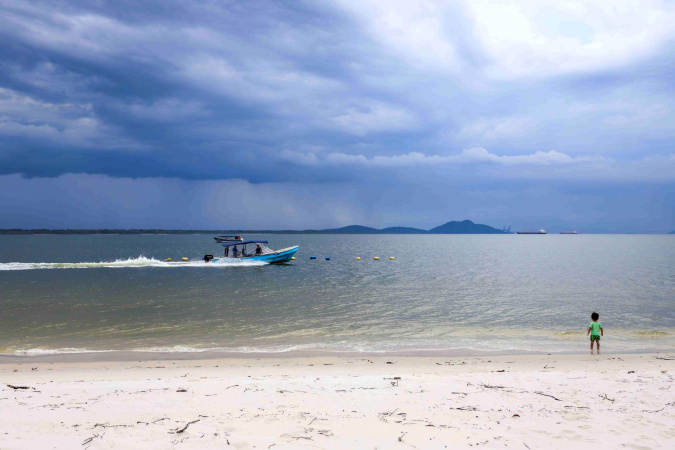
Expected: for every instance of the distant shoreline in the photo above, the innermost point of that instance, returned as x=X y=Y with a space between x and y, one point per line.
x=452 y=227
x=245 y=232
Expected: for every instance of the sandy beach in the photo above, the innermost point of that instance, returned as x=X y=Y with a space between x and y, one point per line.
x=540 y=401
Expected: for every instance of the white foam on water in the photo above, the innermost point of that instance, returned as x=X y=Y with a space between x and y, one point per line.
x=361 y=347
x=139 y=262
x=57 y=351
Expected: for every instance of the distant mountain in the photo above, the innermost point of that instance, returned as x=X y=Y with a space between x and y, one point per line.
x=672 y=232
x=403 y=230
x=464 y=227
x=351 y=229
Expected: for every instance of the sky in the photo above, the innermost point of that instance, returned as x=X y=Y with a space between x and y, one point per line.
x=295 y=115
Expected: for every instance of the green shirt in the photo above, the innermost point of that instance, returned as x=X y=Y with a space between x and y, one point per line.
x=595 y=328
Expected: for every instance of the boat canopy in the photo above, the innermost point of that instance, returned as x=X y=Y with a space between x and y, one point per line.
x=232 y=244
x=228 y=238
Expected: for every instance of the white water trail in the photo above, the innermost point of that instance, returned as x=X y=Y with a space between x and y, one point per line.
x=139 y=262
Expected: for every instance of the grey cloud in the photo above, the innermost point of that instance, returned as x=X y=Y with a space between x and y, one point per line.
x=372 y=96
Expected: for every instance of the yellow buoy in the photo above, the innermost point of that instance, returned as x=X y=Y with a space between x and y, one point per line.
x=293 y=258
x=358 y=258
x=392 y=258
x=184 y=259
x=376 y=258
x=168 y=259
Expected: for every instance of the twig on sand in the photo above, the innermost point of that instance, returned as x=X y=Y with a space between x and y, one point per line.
x=234 y=385
x=547 y=395
x=309 y=438
x=604 y=397
x=492 y=387
x=180 y=430
x=107 y=425
x=311 y=421
x=89 y=439
x=667 y=359
x=658 y=410
x=19 y=387
x=525 y=445
x=400 y=438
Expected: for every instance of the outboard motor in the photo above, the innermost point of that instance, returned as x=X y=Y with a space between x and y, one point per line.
x=208 y=258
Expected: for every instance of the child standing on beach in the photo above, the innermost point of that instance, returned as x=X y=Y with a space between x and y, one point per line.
x=595 y=330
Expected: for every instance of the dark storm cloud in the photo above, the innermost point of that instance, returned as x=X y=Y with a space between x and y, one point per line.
x=371 y=96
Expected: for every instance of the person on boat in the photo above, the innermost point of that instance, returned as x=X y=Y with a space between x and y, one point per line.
x=227 y=251
x=258 y=250
x=234 y=252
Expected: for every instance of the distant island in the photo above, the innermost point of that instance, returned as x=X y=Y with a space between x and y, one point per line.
x=672 y=232
x=453 y=227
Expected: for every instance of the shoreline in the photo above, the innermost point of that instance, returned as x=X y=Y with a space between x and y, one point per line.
x=538 y=401
x=142 y=355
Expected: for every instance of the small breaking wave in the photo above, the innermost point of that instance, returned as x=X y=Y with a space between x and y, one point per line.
x=651 y=333
x=139 y=262
x=57 y=351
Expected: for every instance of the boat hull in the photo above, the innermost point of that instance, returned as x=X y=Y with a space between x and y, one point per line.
x=279 y=256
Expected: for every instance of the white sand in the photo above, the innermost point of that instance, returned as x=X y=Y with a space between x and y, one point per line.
x=555 y=401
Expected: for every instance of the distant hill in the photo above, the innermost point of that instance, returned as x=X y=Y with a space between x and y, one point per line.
x=454 y=227
x=351 y=229
x=403 y=230
x=672 y=232
x=464 y=227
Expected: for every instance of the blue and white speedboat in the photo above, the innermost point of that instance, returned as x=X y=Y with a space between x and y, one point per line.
x=237 y=248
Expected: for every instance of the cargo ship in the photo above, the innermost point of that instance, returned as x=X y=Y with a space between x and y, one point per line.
x=542 y=231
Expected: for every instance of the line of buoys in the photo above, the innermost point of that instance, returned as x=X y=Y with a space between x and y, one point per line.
x=184 y=259
x=358 y=258
x=168 y=259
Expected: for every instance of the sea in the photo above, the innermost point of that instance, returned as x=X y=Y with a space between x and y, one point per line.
x=442 y=294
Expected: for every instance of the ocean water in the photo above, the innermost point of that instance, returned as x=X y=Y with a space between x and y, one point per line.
x=448 y=293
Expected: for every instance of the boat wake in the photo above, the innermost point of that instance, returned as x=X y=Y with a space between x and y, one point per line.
x=139 y=262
